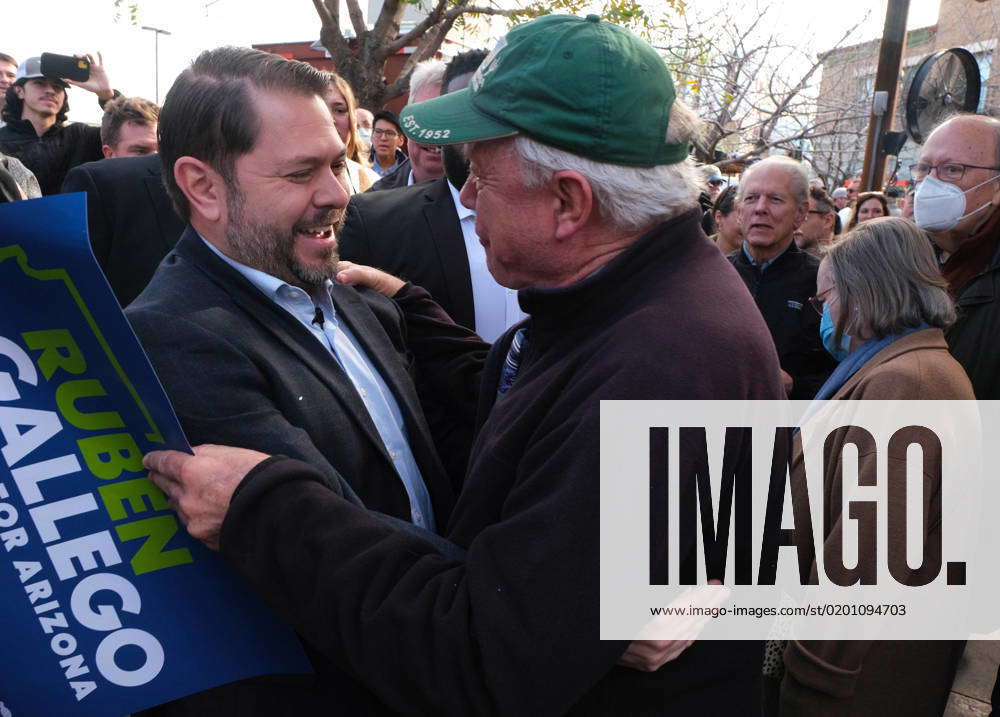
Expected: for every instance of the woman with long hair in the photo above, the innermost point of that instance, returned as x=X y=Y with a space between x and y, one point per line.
x=340 y=99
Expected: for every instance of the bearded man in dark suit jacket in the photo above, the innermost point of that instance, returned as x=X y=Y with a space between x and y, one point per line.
x=131 y=223
x=255 y=343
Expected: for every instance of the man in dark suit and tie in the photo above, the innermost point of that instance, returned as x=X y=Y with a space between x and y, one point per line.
x=131 y=222
x=254 y=342
x=424 y=234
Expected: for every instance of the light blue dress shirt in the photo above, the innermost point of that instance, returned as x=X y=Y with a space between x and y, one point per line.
x=345 y=349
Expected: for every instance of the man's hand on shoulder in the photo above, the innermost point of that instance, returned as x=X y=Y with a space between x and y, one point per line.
x=359 y=275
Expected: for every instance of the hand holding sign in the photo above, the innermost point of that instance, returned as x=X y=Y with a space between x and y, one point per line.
x=200 y=487
x=112 y=607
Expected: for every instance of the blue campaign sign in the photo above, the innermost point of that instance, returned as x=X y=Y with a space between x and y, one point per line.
x=107 y=606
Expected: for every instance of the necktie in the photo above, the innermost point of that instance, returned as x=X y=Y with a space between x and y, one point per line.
x=511 y=364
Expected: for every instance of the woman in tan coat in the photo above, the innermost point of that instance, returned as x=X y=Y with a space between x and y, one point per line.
x=884 y=305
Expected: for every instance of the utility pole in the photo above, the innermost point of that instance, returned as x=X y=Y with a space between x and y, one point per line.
x=156 y=55
x=890 y=59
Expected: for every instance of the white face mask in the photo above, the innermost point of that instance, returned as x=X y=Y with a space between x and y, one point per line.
x=938 y=206
x=365 y=134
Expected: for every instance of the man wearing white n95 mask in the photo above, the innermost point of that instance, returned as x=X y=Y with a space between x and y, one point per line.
x=958 y=202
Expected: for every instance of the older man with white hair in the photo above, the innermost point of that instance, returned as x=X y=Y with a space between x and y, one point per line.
x=590 y=208
x=773 y=201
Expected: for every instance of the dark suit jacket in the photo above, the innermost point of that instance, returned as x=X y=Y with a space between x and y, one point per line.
x=131 y=221
x=413 y=232
x=241 y=371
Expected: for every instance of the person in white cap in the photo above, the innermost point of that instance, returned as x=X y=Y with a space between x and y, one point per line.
x=36 y=131
x=840 y=198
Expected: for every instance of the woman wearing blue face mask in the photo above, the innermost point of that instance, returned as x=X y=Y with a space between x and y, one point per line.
x=884 y=305
x=878 y=286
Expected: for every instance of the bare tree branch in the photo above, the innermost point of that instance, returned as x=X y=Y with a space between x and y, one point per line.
x=325 y=15
x=358 y=18
x=454 y=12
x=418 y=30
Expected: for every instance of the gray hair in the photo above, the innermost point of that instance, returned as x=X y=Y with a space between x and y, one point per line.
x=427 y=75
x=799 y=184
x=887 y=302
x=630 y=198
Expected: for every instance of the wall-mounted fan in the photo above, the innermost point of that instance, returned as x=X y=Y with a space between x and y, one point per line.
x=945 y=83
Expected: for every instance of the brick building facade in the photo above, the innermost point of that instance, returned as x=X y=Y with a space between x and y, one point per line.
x=847 y=86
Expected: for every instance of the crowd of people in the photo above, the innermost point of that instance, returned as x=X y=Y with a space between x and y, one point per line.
x=398 y=357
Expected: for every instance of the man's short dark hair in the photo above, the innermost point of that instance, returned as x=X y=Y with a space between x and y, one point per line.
x=389 y=117
x=462 y=64
x=209 y=113
x=823 y=201
x=4 y=57
x=126 y=109
x=726 y=200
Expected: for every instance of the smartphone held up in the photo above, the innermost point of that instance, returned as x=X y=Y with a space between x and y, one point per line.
x=65 y=67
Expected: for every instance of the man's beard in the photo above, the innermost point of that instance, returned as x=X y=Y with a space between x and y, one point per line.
x=271 y=249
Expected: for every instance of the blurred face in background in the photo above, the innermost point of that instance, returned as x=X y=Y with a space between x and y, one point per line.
x=134 y=140
x=907 y=209
x=340 y=111
x=8 y=71
x=364 y=121
x=817 y=230
x=870 y=209
x=386 y=139
x=728 y=226
x=425 y=159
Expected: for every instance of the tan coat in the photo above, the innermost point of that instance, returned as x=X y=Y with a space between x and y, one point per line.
x=879 y=677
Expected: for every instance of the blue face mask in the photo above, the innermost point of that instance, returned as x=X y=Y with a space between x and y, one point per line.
x=827 y=331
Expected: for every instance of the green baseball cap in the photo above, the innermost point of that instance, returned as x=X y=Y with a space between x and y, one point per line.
x=578 y=84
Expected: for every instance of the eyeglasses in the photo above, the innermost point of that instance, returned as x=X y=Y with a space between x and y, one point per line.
x=817 y=211
x=817 y=301
x=717 y=182
x=387 y=133
x=946 y=172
